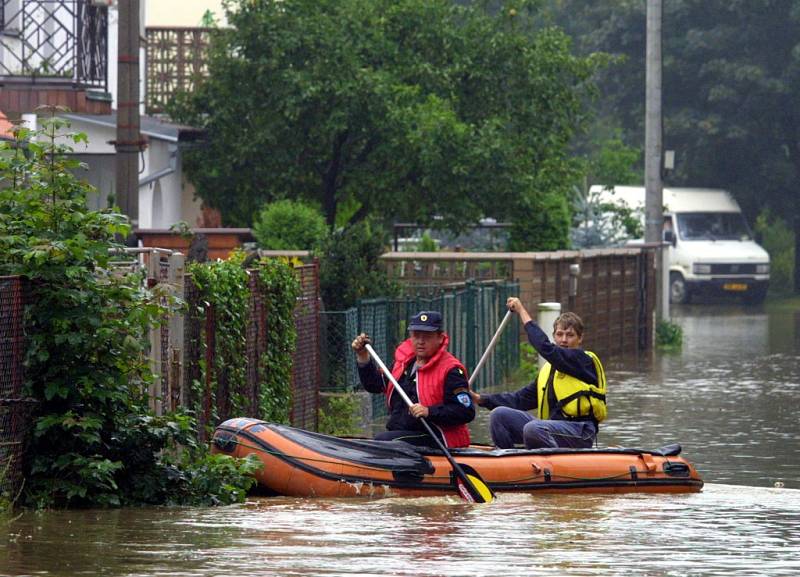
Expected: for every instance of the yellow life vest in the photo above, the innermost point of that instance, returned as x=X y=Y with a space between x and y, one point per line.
x=574 y=398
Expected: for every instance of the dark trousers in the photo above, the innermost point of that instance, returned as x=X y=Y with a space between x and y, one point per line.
x=511 y=427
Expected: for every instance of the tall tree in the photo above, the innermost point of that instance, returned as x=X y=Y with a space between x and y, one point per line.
x=731 y=79
x=406 y=109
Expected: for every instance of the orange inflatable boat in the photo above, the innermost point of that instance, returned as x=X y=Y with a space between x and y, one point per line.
x=307 y=464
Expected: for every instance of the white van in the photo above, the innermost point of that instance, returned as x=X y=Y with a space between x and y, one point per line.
x=712 y=249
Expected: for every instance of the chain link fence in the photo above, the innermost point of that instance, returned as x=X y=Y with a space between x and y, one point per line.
x=15 y=411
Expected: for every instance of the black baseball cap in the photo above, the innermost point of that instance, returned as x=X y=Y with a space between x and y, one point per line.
x=426 y=321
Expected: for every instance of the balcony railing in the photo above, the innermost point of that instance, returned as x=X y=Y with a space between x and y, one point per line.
x=54 y=41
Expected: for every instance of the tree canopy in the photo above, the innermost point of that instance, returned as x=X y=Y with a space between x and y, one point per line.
x=401 y=109
x=731 y=75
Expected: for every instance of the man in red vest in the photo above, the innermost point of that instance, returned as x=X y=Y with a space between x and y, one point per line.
x=434 y=380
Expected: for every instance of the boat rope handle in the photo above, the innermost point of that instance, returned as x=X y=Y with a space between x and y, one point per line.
x=326 y=461
x=371 y=468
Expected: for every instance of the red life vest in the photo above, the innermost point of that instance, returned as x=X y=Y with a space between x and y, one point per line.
x=430 y=384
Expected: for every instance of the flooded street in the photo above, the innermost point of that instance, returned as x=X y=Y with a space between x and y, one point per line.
x=728 y=398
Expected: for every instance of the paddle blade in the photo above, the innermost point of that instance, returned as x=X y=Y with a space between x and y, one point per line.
x=472 y=488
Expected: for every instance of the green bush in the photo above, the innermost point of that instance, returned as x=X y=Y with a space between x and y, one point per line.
x=94 y=442
x=350 y=267
x=545 y=226
x=426 y=243
x=338 y=414
x=778 y=240
x=289 y=225
x=669 y=335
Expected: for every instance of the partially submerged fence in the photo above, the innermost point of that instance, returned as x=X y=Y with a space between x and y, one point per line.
x=471 y=314
x=613 y=290
x=14 y=409
x=187 y=340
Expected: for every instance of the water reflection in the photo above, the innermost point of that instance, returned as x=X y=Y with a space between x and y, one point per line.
x=721 y=531
x=727 y=397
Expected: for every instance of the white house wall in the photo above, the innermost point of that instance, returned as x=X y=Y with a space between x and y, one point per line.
x=162 y=202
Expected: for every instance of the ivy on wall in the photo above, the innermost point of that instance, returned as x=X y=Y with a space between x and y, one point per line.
x=225 y=293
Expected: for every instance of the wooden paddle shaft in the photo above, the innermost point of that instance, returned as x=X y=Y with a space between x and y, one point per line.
x=474 y=493
x=388 y=373
x=490 y=348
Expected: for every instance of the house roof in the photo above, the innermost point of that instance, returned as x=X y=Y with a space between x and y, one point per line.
x=148 y=125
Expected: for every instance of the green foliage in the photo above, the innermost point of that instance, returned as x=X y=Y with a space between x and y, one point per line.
x=338 y=415
x=350 y=267
x=164 y=465
x=426 y=243
x=280 y=290
x=546 y=226
x=528 y=364
x=669 y=335
x=614 y=163
x=289 y=225
x=403 y=109
x=85 y=324
x=224 y=286
x=93 y=442
x=729 y=97
x=779 y=241
x=223 y=294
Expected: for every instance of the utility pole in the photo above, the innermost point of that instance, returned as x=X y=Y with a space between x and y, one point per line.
x=654 y=187
x=128 y=143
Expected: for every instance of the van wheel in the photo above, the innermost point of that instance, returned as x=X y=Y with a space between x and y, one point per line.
x=678 y=291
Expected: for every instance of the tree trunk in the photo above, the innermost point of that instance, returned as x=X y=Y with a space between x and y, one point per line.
x=331 y=179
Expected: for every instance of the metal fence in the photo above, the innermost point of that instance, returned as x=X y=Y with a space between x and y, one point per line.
x=186 y=340
x=213 y=397
x=471 y=312
x=15 y=411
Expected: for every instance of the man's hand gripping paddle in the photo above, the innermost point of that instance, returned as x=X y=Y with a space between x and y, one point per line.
x=470 y=486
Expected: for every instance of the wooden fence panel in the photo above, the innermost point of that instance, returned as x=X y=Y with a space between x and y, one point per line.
x=615 y=287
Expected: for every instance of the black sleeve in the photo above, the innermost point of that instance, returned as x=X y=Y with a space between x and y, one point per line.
x=371 y=378
x=457 y=408
x=573 y=362
x=524 y=399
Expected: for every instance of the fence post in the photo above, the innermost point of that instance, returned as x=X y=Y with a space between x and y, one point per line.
x=176 y=393
x=154 y=390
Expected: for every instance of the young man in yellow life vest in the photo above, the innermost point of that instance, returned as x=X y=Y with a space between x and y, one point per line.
x=569 y=393
x=434 y=380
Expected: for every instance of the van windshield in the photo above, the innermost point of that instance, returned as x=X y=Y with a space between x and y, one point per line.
x=712 y=226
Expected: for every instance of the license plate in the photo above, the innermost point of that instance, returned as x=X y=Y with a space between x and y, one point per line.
x=734 y=286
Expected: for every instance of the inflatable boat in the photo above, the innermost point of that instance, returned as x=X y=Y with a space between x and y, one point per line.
x=307 y=464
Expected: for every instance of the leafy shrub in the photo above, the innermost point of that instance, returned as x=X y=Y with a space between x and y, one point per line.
x=669 y=335
x=778 y=240
x=94 y=443
x=426 y=243
x=338 y=414
x=350 y=267
x=545 y=225
x=289 y=225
